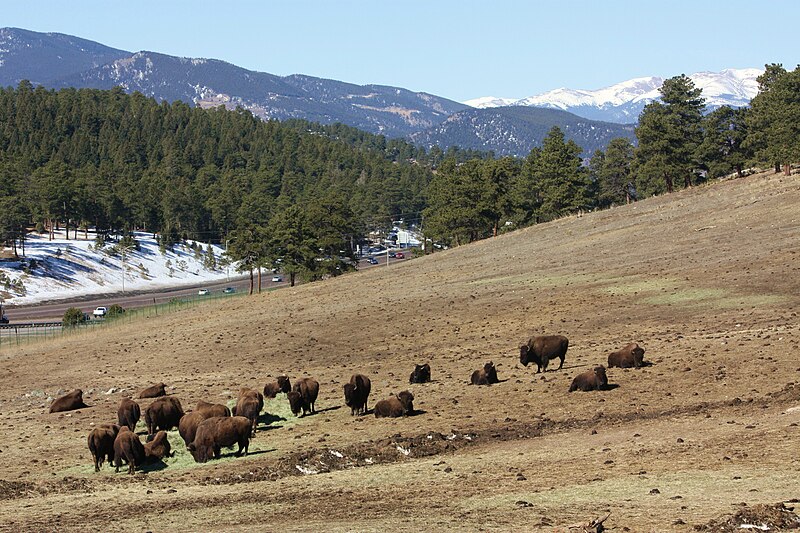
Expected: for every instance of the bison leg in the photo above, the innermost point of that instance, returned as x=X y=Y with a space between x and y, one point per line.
x=217 y=451
x=562 y=363
x=97 y=463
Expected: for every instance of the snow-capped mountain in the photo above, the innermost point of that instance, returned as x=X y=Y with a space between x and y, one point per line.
x=624 y=101
x=486 y=102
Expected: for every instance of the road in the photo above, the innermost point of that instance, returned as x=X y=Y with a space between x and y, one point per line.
x=130 y=300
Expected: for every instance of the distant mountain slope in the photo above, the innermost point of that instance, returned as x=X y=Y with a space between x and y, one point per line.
x=516 y=130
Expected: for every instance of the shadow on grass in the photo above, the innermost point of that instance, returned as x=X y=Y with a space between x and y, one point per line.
x=265 y=420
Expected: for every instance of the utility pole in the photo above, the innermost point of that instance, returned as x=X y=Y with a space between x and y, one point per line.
x=123 y=270
x=227 y=262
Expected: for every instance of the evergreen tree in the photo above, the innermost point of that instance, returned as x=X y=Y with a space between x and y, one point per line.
x=611 y=173
x=559 y=178
x=722 y=150
x=292 y=244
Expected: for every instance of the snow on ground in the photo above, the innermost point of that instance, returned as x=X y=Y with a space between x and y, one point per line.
x=69 y=268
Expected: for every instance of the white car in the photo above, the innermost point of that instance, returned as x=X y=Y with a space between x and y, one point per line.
x=277 y=279
x=203 y=292
x=100 y=312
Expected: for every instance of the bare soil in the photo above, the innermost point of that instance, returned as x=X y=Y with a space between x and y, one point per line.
x=707 y=280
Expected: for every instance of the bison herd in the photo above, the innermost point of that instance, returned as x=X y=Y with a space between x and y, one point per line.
x=210 y=427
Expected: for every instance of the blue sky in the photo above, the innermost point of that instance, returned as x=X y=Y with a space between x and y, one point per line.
x=456 y=49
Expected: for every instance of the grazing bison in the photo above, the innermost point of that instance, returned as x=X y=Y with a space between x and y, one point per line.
x=631 y=356
x=541 y=350
x=249 y=405
x=128 y=413
x=213 y=409
x=421 y=374
x=128 y=448
x=303 y=396
x=219 y=431
x=396 y=406
x=164 y=413
x=101 y=444
x=154 y=391
x=69 y=402
x=356 y=393
x=594 y=379
x=486 y=375
x=280 y=385
x=158 y=447
x=187 y=427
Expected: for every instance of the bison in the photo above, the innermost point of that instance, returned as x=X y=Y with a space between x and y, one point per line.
x=356 y=393
x=158 y=447
x=629 y=356
x=101 y=444
x=421 y=374
x=280 y=385
x=128 y=413
x=594 y=379
x=486 y=375
x=396 y=406
x=128 y=448
x=213 y=409
x=216 y=432
x=154 y=391
x=541 y=350
x=249 y=405
x=69 y=402
x=303 y=396
x=187 y=427
x=164 y=413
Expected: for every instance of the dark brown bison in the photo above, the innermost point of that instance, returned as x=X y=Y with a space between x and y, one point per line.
x=594 y=379
x=69 y=402
x=280 y=385
x=101 y=444
x=249 y=405
x=631 y=356
x=128 y=448
x=164 y=413
x=541 y=350
x=213 y=409
x=303 y=396
x=128 y=413
x=187 y=427
x=395 y=406
x=216 y=432
x=356 y=393
x=421 y=374
x=154 y=391
x=158 y=447
x=486 y=375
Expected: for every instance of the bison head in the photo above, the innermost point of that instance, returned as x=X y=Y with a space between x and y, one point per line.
x=349 y=394
x=283 y=384
x=295 y=402
x=201 y=454
x=523 y=355
x=638 y=355
x=600 y=376
x=407 y=400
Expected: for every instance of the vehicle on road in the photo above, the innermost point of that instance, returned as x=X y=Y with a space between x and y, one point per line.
x=100 y=312
x=372 y=261
x=400 y=255
x=277 y=279
x=3 y=319
x=228 y=290
x=392 y=254
x=203 y=292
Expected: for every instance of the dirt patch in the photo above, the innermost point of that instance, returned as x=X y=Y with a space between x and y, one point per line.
x=759 y=517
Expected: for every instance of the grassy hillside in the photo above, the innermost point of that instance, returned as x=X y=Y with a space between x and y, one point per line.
x=707 y=280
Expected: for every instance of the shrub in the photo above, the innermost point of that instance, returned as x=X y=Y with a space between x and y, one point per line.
x=72 y=317
x=114 y=311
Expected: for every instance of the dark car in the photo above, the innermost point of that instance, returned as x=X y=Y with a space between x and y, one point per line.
x=3 y=319
x=372 y=261
x=228 y=290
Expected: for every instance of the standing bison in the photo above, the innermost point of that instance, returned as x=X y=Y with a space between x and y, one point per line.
x=281 y=384
x=128 y=413
x=356 y=393
x=485 y=376
x=303 y=396
x=249 y=405
x=101 y=444
x=164 y=413
x=594 y=379
x=219 y=431
x=396 y=406
x=421 y=374
x=187 y=427
x=631 y=356
x=128 y=448
x=69 y=402
x=541 y=350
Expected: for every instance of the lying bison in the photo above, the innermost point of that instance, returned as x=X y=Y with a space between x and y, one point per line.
x=249 y=405
x=158 y=447
x=421 y=374
x=281 y=384
x=219 y=431
x=594 y=379
x=356 y=393
x=396 y=406
x=485 y=376
x=154 y=391
x=541 y=350
x=303 y=396
x=101 y=444
x=631 y=356
x=128 y=448
x=213 y=409
x=128 y=413
x=69 y=402
x=164 y=413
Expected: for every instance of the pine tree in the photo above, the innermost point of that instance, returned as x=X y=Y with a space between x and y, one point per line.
x=611 y=171
x=722 y=150
x=559 y=177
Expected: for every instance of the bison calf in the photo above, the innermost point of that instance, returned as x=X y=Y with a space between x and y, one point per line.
x=485 y=376
x=128 y=413
x=218 y=431
x=303 y=396
x=421 y=374
x=541 y=350
x=280 y=385
x=128 y=448
x=631 y=356
x=594 y=379
x=158 y=447
x=154 y=391
x=356 y=393
x=101 y=444
x=164 y=413
x=249 y=405
x=396 y=406
x=69 y=402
